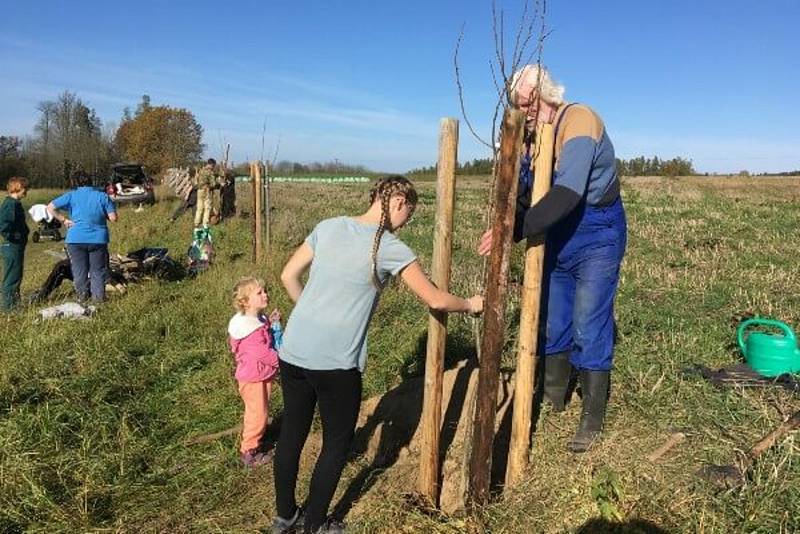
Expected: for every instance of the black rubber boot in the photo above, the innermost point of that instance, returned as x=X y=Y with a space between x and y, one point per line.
x=594 y=385
x=557 y=371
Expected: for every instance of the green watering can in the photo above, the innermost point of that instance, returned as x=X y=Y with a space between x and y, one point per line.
x=769 y=354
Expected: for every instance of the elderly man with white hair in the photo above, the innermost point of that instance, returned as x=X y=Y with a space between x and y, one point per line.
x=586 y=233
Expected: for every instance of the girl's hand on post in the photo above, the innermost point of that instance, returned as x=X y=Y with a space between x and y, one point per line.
x=485 y=243
x=475 y=305
x=68 y=223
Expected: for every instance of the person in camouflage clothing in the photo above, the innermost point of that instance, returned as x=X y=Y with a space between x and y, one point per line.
x=205 y=181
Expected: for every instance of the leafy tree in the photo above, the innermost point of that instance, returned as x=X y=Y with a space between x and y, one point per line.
x=160 y=137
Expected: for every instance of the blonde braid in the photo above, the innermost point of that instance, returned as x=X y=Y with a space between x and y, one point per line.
x=385 y=189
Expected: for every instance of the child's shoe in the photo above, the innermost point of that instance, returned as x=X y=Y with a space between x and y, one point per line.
x=331 y=526
x=285 y=526
x=254 y=458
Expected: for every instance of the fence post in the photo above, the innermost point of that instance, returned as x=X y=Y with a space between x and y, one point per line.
x=267 y=209
x=257 y=210
x=428 y=483
x=525 y=377
x=492 y=339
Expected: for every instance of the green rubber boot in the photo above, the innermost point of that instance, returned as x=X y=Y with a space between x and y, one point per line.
x=594 y=385
x=557 y=371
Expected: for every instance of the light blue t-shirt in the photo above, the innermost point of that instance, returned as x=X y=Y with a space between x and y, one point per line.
x=88 y=208
x=328 y=327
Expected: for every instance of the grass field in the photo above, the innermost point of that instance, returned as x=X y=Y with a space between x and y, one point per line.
x=94 y=414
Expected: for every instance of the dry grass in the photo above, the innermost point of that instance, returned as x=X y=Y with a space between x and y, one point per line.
x=93 y=415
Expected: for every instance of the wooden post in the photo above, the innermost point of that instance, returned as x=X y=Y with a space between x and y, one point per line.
x=428 y=482
x=529 y=318
x=507 y=178
x=224 y=171
x=267 y=209
x=257 y=211
x=253 y=213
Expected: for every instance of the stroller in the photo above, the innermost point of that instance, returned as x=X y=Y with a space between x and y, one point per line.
x=48 y=228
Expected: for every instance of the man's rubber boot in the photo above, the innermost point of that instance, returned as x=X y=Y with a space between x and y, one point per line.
x=557 y=371
x=594 y=385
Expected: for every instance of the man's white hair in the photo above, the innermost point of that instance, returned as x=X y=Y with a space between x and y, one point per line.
x=534 y=76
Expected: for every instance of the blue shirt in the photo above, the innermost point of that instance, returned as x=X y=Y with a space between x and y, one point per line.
x=328 y=327
x=89 y=209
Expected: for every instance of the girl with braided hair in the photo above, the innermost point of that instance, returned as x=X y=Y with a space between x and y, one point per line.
x=324 y=350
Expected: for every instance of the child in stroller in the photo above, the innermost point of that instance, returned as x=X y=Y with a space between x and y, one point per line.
x=48 y=226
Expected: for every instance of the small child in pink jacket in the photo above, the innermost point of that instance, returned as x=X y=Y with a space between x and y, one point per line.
x=256 y=363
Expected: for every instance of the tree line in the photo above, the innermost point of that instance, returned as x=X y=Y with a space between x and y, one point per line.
x=654 y=166
x=329 y=167
x=474 y=167
x=294 y=168
x=640 y=166
x=69 y=135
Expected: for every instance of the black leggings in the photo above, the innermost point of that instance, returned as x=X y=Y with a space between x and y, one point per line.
x=339 y=395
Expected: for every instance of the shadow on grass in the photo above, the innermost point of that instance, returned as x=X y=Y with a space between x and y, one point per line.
x=633 y=526
x=397 y=416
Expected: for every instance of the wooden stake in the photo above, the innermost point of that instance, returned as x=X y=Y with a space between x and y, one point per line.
x=428 y=483
x=673 y=440
x=495 y=305
x=519 y=446
x=793 y=423
x=257 y=210
x=253 y=207
x=268 y=208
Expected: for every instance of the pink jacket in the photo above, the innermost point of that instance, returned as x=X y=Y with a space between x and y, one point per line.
x=251 y=344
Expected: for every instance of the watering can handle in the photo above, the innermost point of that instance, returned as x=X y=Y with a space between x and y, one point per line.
x=763 y=322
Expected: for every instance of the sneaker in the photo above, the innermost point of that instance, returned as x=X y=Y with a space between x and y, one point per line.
x=331 y=526
x=285 y=526
x=254 y=457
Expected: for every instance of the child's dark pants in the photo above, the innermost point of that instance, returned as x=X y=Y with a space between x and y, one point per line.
x=338 y=393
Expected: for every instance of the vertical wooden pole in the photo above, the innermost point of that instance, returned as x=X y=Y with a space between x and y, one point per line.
x=257 y=211
x=253 y=213
x=495 y=304
x=428 y=482
x=529 y=317
x=268 y=208
x=219 y=184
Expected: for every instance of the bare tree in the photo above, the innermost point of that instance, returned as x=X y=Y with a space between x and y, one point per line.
x=67 y=136
x=528 y=46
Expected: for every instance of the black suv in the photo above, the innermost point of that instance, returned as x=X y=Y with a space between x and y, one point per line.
x=129 y=184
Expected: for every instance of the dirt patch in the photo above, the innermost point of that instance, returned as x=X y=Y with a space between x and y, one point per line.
x=388 y=441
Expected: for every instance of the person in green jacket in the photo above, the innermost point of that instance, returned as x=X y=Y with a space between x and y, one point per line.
x=14 y=234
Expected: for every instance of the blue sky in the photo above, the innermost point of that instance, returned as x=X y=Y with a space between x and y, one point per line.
x=367 y=82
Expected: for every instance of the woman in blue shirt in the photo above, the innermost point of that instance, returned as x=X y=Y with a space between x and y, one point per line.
x=87 y=235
